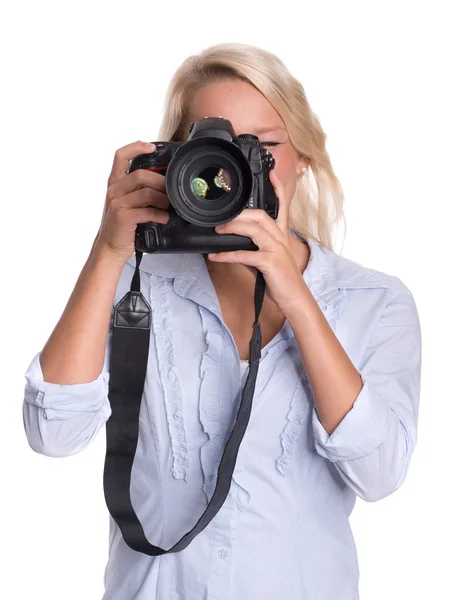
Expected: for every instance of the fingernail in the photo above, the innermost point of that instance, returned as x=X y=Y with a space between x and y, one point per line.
x=150 y=146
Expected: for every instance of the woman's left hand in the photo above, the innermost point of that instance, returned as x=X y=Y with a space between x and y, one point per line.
x=274 y=257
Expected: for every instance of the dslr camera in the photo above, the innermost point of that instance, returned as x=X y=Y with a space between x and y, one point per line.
x=210 y=178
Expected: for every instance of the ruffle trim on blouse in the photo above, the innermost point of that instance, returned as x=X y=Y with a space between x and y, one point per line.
x=210 y=398
x=172 y=393
x=290 y=433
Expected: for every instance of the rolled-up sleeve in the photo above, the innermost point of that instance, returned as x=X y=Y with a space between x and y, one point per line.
x=62 y=419
x=373 y=444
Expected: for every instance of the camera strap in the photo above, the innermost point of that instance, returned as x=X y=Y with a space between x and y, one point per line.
x=128 y=366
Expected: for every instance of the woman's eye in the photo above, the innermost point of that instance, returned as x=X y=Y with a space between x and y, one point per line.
x=270 y=143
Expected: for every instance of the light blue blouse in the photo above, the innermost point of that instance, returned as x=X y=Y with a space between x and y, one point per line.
x=283 y=532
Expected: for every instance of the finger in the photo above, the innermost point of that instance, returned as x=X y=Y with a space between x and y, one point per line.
x=123 y=156
x=147 y=214
x=282 y=217
x=252 y=258
x=252 y=229
x=141 y=178
x=258 y=216
x=145 y=197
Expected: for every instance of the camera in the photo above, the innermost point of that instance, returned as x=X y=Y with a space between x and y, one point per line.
x=210 y=178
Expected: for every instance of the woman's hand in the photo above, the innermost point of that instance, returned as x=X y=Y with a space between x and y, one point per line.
x=274 y=257
x=131 y=198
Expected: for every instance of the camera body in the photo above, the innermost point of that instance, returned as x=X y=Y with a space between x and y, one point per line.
x=210 y=178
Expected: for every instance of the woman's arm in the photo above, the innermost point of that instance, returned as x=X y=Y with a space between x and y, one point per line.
x=364 y=421
x=334 y=380
x=66 y=395
x=75 y=351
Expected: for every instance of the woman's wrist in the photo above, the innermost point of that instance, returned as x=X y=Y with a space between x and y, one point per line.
x=103 y=254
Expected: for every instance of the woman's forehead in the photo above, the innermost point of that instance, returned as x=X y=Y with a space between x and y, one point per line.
x=239 y=102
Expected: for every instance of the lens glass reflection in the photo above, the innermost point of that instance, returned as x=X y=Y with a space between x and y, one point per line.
x=211 y=183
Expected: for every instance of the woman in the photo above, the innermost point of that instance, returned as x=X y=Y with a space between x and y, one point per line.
x=336 y=402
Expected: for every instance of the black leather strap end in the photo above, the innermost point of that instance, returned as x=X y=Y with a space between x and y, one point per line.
x=132 y=312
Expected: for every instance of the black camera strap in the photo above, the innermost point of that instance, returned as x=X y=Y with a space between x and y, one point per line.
x=128 y=367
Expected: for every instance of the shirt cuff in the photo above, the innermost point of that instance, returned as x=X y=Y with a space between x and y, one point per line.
x=64 y=401
x=361 y=431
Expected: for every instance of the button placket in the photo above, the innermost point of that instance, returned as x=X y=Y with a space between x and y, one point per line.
x=221 y=564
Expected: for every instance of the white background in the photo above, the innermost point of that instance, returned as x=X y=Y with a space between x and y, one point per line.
x=80 y=80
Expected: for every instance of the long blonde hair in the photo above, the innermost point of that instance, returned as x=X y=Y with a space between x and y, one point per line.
x=317 y=204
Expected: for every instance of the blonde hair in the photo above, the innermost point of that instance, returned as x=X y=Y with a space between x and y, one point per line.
x=317 y=204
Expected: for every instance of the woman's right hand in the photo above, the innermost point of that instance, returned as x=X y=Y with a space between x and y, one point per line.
x=131 y=198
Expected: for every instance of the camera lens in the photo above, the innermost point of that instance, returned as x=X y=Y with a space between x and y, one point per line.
x=209 y=181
